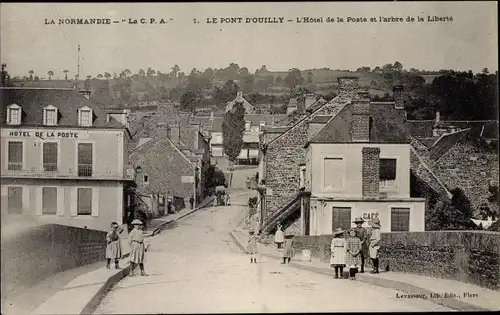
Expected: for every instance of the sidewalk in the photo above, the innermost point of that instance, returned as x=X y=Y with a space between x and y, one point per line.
x=84 y=293
x=459 y=295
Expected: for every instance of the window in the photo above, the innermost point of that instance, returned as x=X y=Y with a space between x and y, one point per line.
x=14 y=113
x=85 y=159
x=15 y=162
x=84 y=202
x=341 y=218
x=248 y=125
x=146 y=179
x=217 y=151
x=50 y=115
x=400 y=219
x=302 y=170
x=49 y=200
x=50 y=156
x=387 y=173
x=85 y=116
x=15 y=200
x=333 y=173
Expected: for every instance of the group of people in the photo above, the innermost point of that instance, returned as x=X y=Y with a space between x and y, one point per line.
x=282 y=241
x=349 y=250
x=136 y=242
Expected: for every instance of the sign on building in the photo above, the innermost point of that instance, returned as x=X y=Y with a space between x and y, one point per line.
x=187 y=179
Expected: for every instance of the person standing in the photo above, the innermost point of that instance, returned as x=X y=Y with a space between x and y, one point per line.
x=191 y=202
x=361 y=234
x=137 y=248
x=288 y=248
x=353 y=249
x=114 y=247
x=337 y=249
x=279 y=236
x=375 y=244
x=252 y=246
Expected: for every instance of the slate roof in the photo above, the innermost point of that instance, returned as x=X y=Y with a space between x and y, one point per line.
x=248 y=107
x=388 y=125
x=446 y=142
x=255 y=120
x=486 y=129
x=205 y=121
x=321 y=119
x=421 y=128
x=295 y=116
x=217 y=124
x=67 y=101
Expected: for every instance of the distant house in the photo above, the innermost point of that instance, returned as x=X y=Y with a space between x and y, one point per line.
x=249 y=108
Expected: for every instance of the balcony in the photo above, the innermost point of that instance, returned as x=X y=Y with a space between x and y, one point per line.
x=84 y=172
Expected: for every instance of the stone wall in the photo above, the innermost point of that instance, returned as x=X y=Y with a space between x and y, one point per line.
x=470 y=168
x=38 y=252
x=466 y=256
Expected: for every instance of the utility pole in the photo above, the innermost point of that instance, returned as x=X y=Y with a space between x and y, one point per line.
x=78 y=69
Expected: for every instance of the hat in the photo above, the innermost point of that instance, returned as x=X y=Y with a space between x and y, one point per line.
x=358 y=220
x=375 y=222
x=289 y=234
x=251 y=230
x=338 y=231
x=137 y=222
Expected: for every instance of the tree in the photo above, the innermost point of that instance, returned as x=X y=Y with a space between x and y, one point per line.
x=141 y=73
x=398 y=66
x=309 y=77
x=5 y=77
x=100 y=76
x=150 y=72
x=31 y=72
x=233 y=129
x=175 y=70
x=215 y=177
x=293 y=77
x=127 y=72
x=50 y=73
x=107 y=75
x=189 y=101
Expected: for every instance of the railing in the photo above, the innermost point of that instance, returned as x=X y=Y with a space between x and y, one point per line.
x=51 y=171
x=15 y=166
x=285 y=210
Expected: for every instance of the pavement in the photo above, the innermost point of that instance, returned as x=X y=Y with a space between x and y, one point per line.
x=195 y=267
x=448 y=293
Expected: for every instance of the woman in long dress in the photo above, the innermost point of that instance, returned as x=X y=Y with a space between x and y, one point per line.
x=337 y=249
x=114 y=247
x=137 y=248
x=252 y=246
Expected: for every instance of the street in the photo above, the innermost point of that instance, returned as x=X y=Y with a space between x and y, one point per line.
x=194 y=267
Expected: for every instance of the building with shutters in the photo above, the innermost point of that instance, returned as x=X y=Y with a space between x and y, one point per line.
x=64 y=160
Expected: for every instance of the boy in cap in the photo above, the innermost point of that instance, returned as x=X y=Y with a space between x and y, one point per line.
x=252 y=246
x=361 y=234
x=137 y=248
x=375 y=243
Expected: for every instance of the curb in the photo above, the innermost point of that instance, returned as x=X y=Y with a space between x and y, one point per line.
x=386 y=283
x=92 y=305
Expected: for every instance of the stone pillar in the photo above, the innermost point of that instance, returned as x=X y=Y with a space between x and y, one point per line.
x=360 y=127
x=370 y=172
x=398 y=97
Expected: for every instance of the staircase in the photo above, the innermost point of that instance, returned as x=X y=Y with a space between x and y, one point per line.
x=287 y=210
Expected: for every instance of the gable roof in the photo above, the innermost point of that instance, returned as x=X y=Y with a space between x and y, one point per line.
x=446 y=142
x=388 y=125
x=297 y=116
x=67 y=101
x=421 y=128
x=249 y=108
x=217 y=124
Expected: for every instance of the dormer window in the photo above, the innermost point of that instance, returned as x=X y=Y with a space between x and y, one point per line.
x=85 y=116
x=248 y=125
x=14 y=113
x=50 y=115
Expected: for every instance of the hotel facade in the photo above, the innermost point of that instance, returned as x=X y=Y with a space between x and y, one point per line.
x=64 y=161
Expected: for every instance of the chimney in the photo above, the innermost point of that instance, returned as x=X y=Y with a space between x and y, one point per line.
x=211 y=115
x=347 y=85
x=360 y=126
x=398 y=97
x=239 y=94
x=175 y=134
x=301 y=104
x=162 y=130
x=370 y=172
x=438 y=117
x=310 y=99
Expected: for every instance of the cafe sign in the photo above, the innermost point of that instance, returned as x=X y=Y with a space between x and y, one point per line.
x=47 y=134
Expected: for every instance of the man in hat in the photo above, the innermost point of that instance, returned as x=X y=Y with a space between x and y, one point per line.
x=361 y=234
x=375 y=243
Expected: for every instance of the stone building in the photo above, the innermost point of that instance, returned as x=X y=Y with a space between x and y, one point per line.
x=249 y=108
x=65 y=160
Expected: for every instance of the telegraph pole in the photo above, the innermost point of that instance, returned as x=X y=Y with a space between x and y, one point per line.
x=78 y=69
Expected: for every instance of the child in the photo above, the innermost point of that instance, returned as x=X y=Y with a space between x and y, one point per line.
x=279 y=236
x=137 y=248
x=288 y=248
x=353 y=253
x=252 y=246
x=114 y=247
x=338 y=252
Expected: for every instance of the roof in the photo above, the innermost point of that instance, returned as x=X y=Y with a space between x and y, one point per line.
x=446 y=142
x=421 y=128
x=292 y=102
x=217 y=124
x=67 y=101
x=320 y=119
x=428 y=142
x=486 y=129
x=296 y=116
x=205 y=121
x=388 y=125
x=249 y=108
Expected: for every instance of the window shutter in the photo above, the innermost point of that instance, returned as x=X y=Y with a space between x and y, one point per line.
x=73 y=202
x=60 y=201
x=95 y=202
x=38 y=200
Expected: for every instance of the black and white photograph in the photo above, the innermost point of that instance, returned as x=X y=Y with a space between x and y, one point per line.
x=253 y=157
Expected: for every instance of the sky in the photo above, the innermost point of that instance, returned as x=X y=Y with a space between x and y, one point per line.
x=470 y=42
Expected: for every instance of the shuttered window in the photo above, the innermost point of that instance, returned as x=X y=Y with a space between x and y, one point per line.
x=85 y=159
x=15 y=200
x=400 y=219
x=15 y=155
x=50 y=156
x=341 y=218
x=84 y=202
x=49 y=200
x=333 y=172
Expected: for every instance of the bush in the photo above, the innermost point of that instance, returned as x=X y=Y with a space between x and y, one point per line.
x=252 y=202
